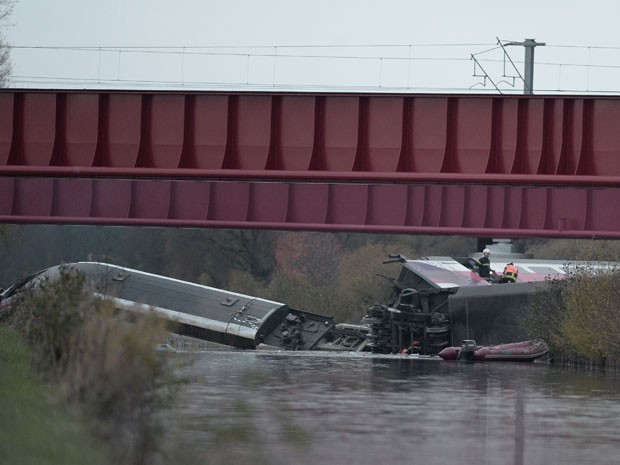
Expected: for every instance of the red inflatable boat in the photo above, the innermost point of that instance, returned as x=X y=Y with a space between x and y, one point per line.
x=525 y=351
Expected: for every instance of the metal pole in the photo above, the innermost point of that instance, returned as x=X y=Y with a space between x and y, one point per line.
x=529 y=44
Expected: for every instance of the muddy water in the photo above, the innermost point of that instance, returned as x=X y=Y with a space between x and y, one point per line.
x=309 y=408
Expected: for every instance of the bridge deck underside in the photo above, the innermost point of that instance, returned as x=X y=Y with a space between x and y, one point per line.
x=500 y=211
x=447 y=164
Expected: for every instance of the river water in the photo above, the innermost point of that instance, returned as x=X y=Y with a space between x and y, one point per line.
x=333 y=408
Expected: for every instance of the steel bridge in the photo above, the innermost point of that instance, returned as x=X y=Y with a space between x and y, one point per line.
x=496 y=166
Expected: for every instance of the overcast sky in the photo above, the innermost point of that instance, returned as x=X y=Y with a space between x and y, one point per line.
x=336 y=44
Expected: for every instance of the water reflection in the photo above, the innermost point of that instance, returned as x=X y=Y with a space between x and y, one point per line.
x=259 y=407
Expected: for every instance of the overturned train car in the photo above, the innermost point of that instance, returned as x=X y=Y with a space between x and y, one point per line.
x=197 y=311
x=440 y=301
x=435 y=302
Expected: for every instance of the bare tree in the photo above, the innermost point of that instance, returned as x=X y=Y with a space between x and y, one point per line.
x=5 y=63
x=6 y=8
x=249 y=250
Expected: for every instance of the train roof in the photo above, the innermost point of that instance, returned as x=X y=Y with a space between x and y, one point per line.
x=449 y=272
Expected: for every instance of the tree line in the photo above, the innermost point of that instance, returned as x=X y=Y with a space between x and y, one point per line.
x=329 y=273
x=335 y=274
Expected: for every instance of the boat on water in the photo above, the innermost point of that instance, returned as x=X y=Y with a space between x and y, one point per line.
x=523 y=351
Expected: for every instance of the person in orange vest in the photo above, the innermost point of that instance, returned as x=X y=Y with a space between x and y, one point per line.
x=510 y=274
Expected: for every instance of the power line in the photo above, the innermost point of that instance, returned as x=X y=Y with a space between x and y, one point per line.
x=172 y=50
x=178 y=51
x=174 y=85
x=283 y=54
x=254 y=46
x=597 y=47
x=301 y=46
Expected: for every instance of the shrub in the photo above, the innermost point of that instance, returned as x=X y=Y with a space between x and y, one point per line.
x=578 y=316
x=33 y=428
x=49 y=313
x=593 y=321
x=100 y=361
x=544 y=316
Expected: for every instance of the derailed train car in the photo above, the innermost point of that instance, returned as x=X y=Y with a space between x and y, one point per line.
x=438 y=302
x=197 y=311
x=435 y=302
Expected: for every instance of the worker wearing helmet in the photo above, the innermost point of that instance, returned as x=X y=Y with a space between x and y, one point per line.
x=510 y=274
x=484 y=265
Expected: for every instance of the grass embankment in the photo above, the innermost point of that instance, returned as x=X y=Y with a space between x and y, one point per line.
x=34 y=429
x=91 y=361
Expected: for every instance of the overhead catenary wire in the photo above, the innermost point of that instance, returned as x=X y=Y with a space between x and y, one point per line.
x=195 y=50
x=302 y=46
x=286 y=58
x=254 y=46
x=188 y=85
x=189 y=51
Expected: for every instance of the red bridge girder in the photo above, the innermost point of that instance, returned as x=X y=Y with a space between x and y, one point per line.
x=477 y=210
x=328 y=133
x=456 y=164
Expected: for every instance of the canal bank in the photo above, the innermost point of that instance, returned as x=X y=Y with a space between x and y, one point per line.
x=34 y=427
x=98 y=366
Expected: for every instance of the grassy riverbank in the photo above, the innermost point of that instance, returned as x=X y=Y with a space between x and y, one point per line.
x=34 y=427
x=76 y=374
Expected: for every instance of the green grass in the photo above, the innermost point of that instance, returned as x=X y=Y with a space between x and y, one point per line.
x=33 y=429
